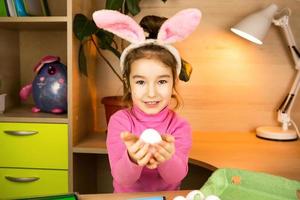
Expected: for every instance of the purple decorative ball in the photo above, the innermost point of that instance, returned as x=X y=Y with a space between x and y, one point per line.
x=49 y=88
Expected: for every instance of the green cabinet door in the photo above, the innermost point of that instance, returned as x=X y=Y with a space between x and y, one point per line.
x=34 y=145
x=19 y=183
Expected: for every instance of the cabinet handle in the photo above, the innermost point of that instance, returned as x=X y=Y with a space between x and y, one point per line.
x=21 y=133
x=22 y=179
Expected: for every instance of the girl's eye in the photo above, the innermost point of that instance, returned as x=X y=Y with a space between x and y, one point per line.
x=162 y=82
x=140 y=82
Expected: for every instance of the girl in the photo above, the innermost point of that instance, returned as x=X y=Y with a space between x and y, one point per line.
x=150 y=70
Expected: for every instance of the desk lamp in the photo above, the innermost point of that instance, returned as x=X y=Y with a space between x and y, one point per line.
x=254 y=28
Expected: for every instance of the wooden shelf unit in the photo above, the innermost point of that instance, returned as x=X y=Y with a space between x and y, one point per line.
x=24 y=41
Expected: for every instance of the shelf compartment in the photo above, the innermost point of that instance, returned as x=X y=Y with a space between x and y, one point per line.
x=92 y=144
x=22 y=49
x=23 y=114
x=92 y=174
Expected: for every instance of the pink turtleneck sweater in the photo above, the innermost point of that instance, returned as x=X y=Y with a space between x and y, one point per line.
x=128 y=176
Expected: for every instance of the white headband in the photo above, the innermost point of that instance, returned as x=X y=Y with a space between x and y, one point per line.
x=168 y=47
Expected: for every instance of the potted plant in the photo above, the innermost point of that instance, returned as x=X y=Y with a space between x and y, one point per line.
x=87 y=32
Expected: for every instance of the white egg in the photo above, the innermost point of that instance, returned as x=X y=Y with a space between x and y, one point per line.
x=179 y=198
x=195 y=194
x=150 y=136
x=212 y=197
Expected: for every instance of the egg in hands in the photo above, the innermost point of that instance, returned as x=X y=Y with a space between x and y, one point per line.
x=151 y=136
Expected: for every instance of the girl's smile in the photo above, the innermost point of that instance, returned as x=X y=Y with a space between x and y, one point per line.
x=151 y=104
x=151 y=84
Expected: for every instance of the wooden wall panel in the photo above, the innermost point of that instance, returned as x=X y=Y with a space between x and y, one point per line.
x=56 y=10
x=83 y=88
x=236 y=85
x=9 y=56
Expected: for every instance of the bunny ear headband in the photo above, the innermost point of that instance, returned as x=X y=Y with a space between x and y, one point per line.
x=175 y=29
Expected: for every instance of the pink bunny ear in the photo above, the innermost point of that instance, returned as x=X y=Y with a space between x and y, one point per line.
x=119 y=24
x=178 y=27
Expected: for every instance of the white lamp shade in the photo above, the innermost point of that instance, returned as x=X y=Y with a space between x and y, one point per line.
x=255 y=26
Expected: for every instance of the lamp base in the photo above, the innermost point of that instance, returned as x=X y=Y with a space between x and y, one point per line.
x=275 y=133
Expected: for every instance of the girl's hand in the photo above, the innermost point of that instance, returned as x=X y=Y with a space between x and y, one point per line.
x=165 y=149
x=136 y=148
x=152 y=164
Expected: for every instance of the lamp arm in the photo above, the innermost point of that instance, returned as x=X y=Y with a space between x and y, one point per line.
x=286 y=106
x=283 y=22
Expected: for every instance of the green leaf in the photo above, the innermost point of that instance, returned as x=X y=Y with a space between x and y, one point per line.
x=105 y=40
x=125 y=11
x=133 y=6
x=113 y=4
x=115 y=51
x=83 y=27
x=186 y=71
x=82 y=61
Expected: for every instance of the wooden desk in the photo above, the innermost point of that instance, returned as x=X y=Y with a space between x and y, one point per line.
x=246 y=151
x=125 y=196
x=234 y=150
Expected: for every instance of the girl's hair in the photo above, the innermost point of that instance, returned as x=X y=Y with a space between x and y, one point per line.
x=149 y=51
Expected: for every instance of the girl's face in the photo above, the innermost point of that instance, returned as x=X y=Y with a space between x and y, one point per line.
x=151 y=84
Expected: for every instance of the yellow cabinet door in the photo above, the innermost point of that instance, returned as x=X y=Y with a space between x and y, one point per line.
x=21 y=183
x=34 y=145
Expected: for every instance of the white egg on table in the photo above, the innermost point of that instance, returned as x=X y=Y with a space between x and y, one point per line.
x=179 y=198
x=212 y=197
x=195 y=194
x=151 y=136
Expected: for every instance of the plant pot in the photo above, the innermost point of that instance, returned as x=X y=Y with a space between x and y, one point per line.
x=111 y=105
x=2 y=103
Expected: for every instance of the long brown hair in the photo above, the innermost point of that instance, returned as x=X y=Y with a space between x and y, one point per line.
x=150 y=51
